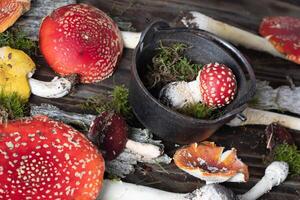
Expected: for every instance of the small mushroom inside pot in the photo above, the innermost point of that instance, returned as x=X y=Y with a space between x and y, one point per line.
x=209 y=163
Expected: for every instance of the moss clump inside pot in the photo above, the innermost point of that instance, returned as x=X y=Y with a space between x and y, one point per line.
x=197 y=90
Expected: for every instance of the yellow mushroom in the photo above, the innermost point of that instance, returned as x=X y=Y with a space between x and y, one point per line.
x=15 y=68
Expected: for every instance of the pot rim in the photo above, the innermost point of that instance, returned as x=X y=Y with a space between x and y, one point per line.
x=234 y=51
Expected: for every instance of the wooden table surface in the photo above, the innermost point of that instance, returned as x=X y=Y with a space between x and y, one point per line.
x=247 y=140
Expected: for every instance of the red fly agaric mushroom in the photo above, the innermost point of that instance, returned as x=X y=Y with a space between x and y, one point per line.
x=45 y=159
x=10 y=11
x=208 y=162
x=284 y=33
x=215 y=86
x=81 y=39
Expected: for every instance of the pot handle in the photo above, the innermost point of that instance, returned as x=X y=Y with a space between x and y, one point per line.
x=149 y=33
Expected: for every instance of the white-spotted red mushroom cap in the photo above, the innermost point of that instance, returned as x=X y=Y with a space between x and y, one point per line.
x=217 y=85
x=81 y=39
x=45 y=159
x=284 y=33
x=209 y=163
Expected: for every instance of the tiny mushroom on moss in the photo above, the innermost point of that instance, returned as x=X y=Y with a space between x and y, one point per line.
x=215 y=86
x=10 y=11
x=45 y=159
x=209 y=163
x=16 y=69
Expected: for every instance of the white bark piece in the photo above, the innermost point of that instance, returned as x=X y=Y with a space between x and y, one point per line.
x=56 y=88
x=283 y=98
x=229 y=33
x=261 y=117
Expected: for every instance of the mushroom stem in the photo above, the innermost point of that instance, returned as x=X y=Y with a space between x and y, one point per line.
x=148 y=151
x=128 y=191
x=56 y=88
x=261 y=117
x=275 y=174
x=130 y=39
x=229 y=33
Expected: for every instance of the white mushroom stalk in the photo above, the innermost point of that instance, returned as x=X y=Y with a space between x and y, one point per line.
x=56 y=88
x=275 y=174
x=130 y=39
x=148 y=151
x=229 y=33
x=117 y=190
x=261 y=117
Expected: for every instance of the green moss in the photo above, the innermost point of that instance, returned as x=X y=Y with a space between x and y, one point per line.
x=197 y=110
x=170 y=64
x=289 y=154
x=12 y=106
x=116 y=101
x=16 y=39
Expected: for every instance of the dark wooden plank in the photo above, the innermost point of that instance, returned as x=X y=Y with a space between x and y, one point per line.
x=248 y=140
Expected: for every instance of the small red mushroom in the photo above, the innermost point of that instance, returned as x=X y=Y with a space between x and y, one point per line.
x=284 y=33
x=45 y=159
x=81 y=39
x=215 y=87
x=109 y=132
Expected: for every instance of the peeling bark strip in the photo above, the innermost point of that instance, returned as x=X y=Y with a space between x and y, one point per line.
x=30 y=22
x=283 y=98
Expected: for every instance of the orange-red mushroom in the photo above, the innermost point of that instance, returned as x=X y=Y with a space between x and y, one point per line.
x=45 y=159
x=209 y=163
x=10 y=11
x=284 y=33
x=81 y=39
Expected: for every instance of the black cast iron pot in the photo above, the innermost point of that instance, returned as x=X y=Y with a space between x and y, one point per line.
x=205 y=48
